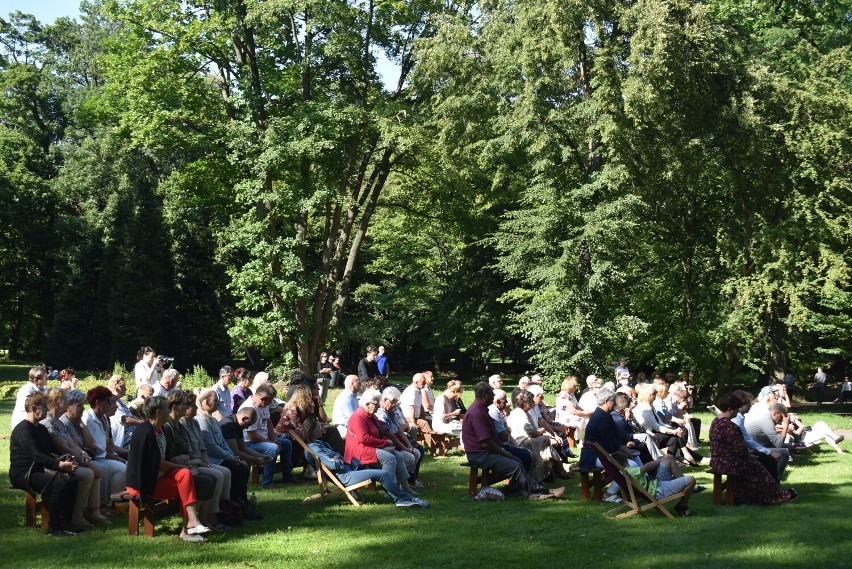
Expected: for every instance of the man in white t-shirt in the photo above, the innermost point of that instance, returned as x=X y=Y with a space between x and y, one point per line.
x=261 y=437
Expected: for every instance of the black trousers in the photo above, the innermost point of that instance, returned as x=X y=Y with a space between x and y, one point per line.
x=55 y=490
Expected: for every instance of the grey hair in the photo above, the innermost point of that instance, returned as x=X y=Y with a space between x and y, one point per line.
x=171 y=373
x=605 y=395
x=371 y=395
x=391 y=393
x=74 y=396
x=778 y=408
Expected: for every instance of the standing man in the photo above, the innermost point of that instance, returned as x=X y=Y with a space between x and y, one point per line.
x=367 y=368
x=819 y=383
x=482 y=448
x=382 y=363
x=223 y=393
x=324 y=368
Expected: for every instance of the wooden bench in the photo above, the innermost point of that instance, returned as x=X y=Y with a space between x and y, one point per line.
x=728 y=484
x=34 y=503
x=477 y=480
x=596 y=478
x=151 y=511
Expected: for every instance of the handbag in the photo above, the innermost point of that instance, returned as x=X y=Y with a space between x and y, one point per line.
x=66 y=476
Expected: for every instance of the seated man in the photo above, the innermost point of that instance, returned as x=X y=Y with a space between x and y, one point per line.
x=625 y=430
x=668 y=481
x=602 y=430
x=775 y=459
x=482 y=448
x=261 y=437
x=495 y=411
x=346 y=404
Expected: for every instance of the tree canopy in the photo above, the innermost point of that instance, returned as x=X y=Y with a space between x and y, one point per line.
x=557 y=184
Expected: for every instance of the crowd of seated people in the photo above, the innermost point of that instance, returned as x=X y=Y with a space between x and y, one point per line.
x=206 y=442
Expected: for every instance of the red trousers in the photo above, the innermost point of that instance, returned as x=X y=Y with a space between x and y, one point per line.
x=176 y=483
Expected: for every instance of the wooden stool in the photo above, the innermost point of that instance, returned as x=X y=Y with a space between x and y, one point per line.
x=598 y=479
x=726 y=482
x=257 y=471
x=152 y=511
x=34 y=503
x=475 y=479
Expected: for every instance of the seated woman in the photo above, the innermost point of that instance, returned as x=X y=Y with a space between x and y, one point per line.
x=546 y=459
x=218 y=449
x=31 y=453
x=670 y=438
x=366 y=446
x=730 y=455
x=678 y=406
x=539 y=414
x=88 y=476
x=150 y=475
x=568 y=410
x=123 y=421
x=446 y=414
x=67 y=379
x=179 y=451
x=294 y=419
x=198 y=451
x=97 y=436
x=242 y=389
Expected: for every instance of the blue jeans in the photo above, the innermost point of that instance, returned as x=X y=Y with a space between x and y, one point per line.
x=269 y=449
x=394 y=463
x=286 y=454
x=382 y=476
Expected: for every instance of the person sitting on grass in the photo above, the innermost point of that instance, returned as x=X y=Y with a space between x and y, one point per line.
x=667 y=481
x=150 y=475
x=482 y=449
x=730 y=455
x=31 y=452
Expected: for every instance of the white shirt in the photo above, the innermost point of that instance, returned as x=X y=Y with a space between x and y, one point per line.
x=410 y=398
x=141 y=371
x=161 y=391
x=19 y=413
x=261 y=426
x=96 y=429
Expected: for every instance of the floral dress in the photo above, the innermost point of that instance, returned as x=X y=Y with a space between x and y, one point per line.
x=730 y=455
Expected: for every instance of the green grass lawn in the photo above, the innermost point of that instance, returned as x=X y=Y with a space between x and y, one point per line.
x=459 y=532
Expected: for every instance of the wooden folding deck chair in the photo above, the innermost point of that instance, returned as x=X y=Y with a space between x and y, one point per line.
x=327 y=480
x=636 y=498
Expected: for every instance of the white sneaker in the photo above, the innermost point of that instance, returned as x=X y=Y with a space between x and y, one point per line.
x=406 y=503
x=420 y=502
x=612 y=498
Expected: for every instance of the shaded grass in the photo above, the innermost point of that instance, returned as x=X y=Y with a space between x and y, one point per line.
x=457 y=531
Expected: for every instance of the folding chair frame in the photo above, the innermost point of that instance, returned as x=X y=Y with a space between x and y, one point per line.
x=327 y=480
x=636 y=498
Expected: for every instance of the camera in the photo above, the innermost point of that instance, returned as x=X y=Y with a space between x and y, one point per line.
x=165 y=360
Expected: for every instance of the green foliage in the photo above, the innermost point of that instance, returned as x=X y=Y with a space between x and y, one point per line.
x=196 y=379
